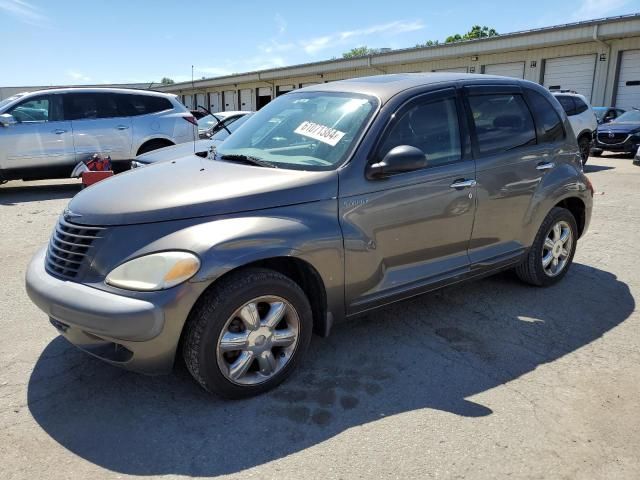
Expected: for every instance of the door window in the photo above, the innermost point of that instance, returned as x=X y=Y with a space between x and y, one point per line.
x=34 y=110
x=580 y=105
x=503 y=122
x=547 y=118
x=431 y=126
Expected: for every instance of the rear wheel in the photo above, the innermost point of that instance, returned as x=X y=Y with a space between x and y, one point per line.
x=552 y=252
x=247 y=335
x=153 y=145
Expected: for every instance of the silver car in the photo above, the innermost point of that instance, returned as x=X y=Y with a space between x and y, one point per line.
x=44 y=134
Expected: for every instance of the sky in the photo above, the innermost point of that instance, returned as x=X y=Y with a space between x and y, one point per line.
x=127 y=41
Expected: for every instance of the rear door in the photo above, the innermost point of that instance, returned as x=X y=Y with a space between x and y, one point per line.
x=509 y=165
x=99 y=125
x=41 y=143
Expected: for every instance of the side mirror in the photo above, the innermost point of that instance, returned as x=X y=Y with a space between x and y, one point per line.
x=400 y=159
x=6 y=120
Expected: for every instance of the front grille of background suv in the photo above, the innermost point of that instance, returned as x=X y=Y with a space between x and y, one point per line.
x=68 y=248
x=603 y=137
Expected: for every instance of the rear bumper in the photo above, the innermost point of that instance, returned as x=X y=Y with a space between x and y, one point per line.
x=137 y=334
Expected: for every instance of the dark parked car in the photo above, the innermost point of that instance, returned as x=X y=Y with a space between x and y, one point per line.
x=622 y=135
x=607 y=114
x=331 y=201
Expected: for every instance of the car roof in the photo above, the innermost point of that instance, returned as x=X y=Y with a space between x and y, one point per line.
x=133 y=91
x=384 y=87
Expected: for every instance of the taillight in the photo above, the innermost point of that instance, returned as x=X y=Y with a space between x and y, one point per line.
x=191 y=119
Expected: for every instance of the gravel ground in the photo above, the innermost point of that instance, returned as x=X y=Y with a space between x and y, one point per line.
x=491 y=379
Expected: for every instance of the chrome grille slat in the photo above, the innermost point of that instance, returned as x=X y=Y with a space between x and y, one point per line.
x=68 y=248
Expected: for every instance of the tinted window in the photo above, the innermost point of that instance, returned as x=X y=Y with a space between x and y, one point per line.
x=432 y=127
x=580 y=105
x=546 y=117
x=503 y=122
x=567 y=104
x=144 y=104
x=33 y=110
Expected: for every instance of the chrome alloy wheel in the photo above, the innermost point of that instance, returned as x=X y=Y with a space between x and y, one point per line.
x=556 y=249
x=258 y=340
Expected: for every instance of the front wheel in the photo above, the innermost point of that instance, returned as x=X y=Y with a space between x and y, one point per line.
x=585 y=148
x=247 y=334
x=552 y=252
x=596 y=152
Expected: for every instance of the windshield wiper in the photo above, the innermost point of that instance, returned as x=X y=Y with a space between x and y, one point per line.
x=247 y=160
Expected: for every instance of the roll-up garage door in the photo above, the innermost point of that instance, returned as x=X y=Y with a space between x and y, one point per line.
x=452 y=69
x=512 y=69
x=200 y=100
x=570 y=73
x=187 y=100
x=214 y=101
x=308 y=84
x=229 y=97
x=246 y=99
x=628 y=88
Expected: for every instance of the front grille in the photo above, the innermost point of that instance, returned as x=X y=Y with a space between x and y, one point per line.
x=68 y=248
x=611 y=138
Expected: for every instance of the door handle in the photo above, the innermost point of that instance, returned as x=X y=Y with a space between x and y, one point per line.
x=59 y=131
x=463 y=184
x=545 y=166
x=122 y=127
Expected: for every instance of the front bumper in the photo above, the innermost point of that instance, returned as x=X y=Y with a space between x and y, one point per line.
x=139 y=334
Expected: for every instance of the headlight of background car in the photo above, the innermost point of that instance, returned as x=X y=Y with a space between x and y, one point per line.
x=156 y=271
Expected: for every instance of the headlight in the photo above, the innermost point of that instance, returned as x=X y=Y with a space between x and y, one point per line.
x=156 y=271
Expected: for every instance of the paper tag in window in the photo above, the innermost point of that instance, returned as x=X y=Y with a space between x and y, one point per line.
x=325 y=134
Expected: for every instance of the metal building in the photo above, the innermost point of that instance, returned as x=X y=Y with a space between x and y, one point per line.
x=598 y=58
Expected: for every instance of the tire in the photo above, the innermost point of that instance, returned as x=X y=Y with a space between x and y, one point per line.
x=217 y=317
x=585 y=148
x=532 y=270
x=153 y=145
x=596 y=152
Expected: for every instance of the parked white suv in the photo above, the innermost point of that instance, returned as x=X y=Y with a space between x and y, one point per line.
x=582 y=118
x=44 y=134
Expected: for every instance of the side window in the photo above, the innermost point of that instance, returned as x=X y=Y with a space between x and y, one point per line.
x=431 y=126
x=223 y=124
x=34 y=110
x=80 y=106
x=580 y=105
x=107 y=105
x=567 y=104
x=503 y=122
x=546 y=117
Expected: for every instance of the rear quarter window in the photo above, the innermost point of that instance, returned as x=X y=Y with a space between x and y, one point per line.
x=580 y=106
x=546 y=117
x=568 y=105
x=144 y=104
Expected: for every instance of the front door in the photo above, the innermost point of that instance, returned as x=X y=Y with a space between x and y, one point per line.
x=41 y=143
x=412 y=230
x=99 y=125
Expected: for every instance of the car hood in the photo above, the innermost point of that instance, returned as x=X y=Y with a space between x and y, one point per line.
x=195 y=187
x=619 y=128
x=174 y=152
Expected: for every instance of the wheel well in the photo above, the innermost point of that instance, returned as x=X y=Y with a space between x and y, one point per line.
x=160 y=142
x=577 y=209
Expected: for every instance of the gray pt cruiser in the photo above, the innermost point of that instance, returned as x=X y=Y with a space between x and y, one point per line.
x=329 y=202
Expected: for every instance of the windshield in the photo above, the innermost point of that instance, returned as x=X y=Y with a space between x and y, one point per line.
x=303 y=131
x=206 y=122
x=629 y=117
x=600 y=111
x=7 y=101
x=223 y=133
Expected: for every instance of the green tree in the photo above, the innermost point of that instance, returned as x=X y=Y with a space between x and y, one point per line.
x=476 y=32
x=360 y=52
x=167 y=81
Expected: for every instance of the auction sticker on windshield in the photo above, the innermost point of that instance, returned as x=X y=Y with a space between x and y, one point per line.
x=325 y=134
